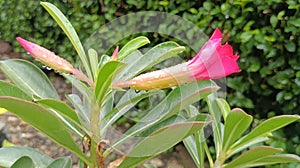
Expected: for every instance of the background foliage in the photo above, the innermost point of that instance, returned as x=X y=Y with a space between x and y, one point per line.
x=264 y=33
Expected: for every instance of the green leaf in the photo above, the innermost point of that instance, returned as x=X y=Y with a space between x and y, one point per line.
x=180 y=98
x=160 y=141
x=23 y=161
x=138 y=63
x=29 y=78
x=265 y=127
x=81 y=108
x=62 y=108
x=275 y=159
x=47 y=122
x=9 y=155
x=236 y=123
x=7 y=89
x=131 y=46
x=64 y=162
x=93 y=57
x=224 y=107
x=128 y=100
x=64 y=112
x=69 y=30
x=191 y=147
x=105 y=77
x=251 y=156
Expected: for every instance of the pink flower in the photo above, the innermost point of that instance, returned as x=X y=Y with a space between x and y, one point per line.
x=51 y=60
x=213 y=61
x=46 y=57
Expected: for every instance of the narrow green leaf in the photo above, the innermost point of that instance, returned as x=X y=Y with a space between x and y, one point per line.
x=160 y=141
x=62 y=108
x=93 y=57
x=190 y=145
x=137 y=63
x=247 y=145
x=251 y=156
x=275 y=159
x=9 y=155
x=64 y=162
x=47 y=123
x=8 y=89
x=29 y=78
x=236 y=123
x=132 y=45
x=217 y=126
x=224 y=107
x=69 y=30
x=105 y=77
x=80 y=86
x=23 y=161
x=66 y=113
x=81 y=108
x=127 y=101
x=178 y=99
x=265 y=127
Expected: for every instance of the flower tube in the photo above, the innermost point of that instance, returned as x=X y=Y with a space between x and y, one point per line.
x=213 y=61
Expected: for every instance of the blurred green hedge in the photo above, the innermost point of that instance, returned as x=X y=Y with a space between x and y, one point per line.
x=264 y=33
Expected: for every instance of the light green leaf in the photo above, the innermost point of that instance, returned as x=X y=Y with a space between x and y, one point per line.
x=191 y=147
x=9 y=155
x=64 y=162
x=217 y=126
x=29 y=78
x=251 y=156
x=66 y=113
x=265 y=127
x=247 y=145
x=127 y=101
x=105 y=77
x=47 y=122
x=62 y=108
x=137 y=63
x=132 y=45
x=224 y=107
x=7 y=89
x=180 y=98
x=275 y=159
x=69 y=30
x=160 y=141
x=81 y=108
x=93 y=57
x=236 y=123
x=23 y=161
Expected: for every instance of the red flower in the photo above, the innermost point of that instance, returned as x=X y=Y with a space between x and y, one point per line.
x=213 y=61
